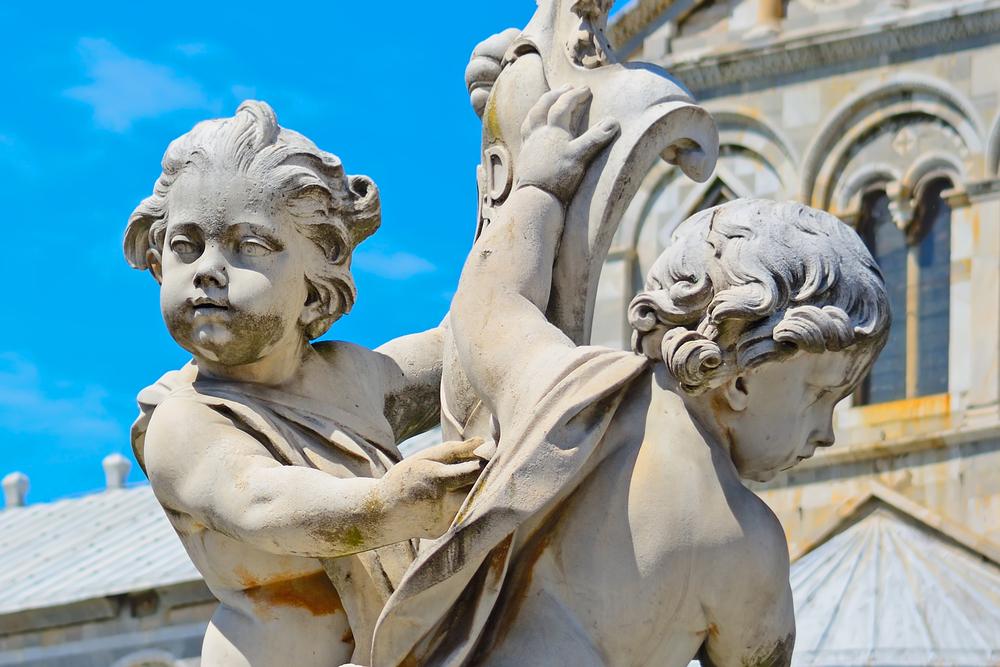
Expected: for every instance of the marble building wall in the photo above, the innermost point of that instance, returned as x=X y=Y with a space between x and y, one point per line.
x=826 y=135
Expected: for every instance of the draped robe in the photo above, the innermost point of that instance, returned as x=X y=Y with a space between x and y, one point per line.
x=446 y=606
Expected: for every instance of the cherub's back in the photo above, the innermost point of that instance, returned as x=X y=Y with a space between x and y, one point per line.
x=625 y=570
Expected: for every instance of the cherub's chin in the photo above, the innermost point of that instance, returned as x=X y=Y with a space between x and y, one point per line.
x=211 y=337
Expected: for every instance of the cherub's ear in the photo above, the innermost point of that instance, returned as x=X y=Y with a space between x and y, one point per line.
x=736 y=394
x=313 y=310
x=155 y=267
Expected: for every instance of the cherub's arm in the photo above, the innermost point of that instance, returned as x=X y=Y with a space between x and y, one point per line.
x=761 y=636
x=752 y=617
x=411 y=366
x=498 y=312
x=200 y=464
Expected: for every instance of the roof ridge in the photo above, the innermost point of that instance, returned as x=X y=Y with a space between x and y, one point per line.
x=849 y=515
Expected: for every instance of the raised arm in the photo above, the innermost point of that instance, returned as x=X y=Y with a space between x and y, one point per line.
x=501 y=332
x=412 y=369
x=201 y=465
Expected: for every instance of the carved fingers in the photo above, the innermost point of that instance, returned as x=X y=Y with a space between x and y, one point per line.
x=569 y=107
x=485 y=66
x=539 y=114
x=459 y=476
x=554 y=155
x=451 y=452
x=594 y=140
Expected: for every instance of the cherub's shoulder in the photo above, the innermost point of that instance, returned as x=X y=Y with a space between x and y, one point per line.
x=182 y=411
x=181 y=423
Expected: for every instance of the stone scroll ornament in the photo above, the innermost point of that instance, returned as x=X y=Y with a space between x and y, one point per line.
x=564 y=44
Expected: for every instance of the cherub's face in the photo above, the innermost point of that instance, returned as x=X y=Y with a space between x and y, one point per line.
x=233 y=284
x=787 y=410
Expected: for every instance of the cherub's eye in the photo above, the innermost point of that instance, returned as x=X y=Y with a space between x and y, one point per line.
x=253 y=248
x=183 y=246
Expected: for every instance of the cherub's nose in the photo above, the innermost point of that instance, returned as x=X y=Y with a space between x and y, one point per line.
x=824 y=437
x=211 y=270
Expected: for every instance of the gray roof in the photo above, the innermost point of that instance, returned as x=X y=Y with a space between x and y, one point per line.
x=420 y=442
x=73 y=550
x=108 y=543
x=889 y=588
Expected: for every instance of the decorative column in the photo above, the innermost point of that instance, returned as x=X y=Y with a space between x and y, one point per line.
x=769 y=15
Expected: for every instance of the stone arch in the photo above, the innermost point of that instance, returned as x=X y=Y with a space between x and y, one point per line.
x=663 y=179
x=742 y=128
x=902 y=99
x=932 y=166
x=862 y=181
x=993 y=152
x=739 y=130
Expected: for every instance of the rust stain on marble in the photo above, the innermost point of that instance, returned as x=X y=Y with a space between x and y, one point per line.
x=313 y=593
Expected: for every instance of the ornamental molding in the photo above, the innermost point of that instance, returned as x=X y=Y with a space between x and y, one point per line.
x=633 y=20
x=710 y=75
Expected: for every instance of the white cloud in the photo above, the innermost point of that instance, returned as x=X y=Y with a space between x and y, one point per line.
x=61 y=409
x=124 y=89
x=392 y=266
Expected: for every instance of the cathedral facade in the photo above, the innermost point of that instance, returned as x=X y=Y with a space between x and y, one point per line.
x=887 y=114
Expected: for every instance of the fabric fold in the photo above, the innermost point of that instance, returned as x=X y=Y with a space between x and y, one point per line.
x=442 y=608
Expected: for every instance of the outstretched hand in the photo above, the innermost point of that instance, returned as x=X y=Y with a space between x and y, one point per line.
x=554 y=155
x=433 y=483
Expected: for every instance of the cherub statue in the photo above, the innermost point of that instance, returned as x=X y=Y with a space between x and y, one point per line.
x=275 y=459
x=611 y=526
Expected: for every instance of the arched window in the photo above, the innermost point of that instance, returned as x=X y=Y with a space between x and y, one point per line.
x=916 y=264
x=933 y=264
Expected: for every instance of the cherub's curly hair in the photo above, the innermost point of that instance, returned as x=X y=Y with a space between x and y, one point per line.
x=333 y=210
x=753 y=281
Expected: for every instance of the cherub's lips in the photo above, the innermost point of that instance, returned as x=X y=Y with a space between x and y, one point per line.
x=211 y=308
x=204 y=302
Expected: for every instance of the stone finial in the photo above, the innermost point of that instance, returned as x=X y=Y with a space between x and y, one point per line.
x=15 y=489
x=116 y=469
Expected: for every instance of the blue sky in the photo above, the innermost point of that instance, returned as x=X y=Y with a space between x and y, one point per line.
x=94 y=92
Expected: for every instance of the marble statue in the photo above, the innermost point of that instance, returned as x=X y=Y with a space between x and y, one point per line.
x=611 y=526
x=275 y=459
x=564 y=44
x=588 y=508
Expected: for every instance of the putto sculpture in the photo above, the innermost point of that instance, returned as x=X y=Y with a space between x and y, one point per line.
x=590 y=509
x=274 y=459
x=611 y=526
